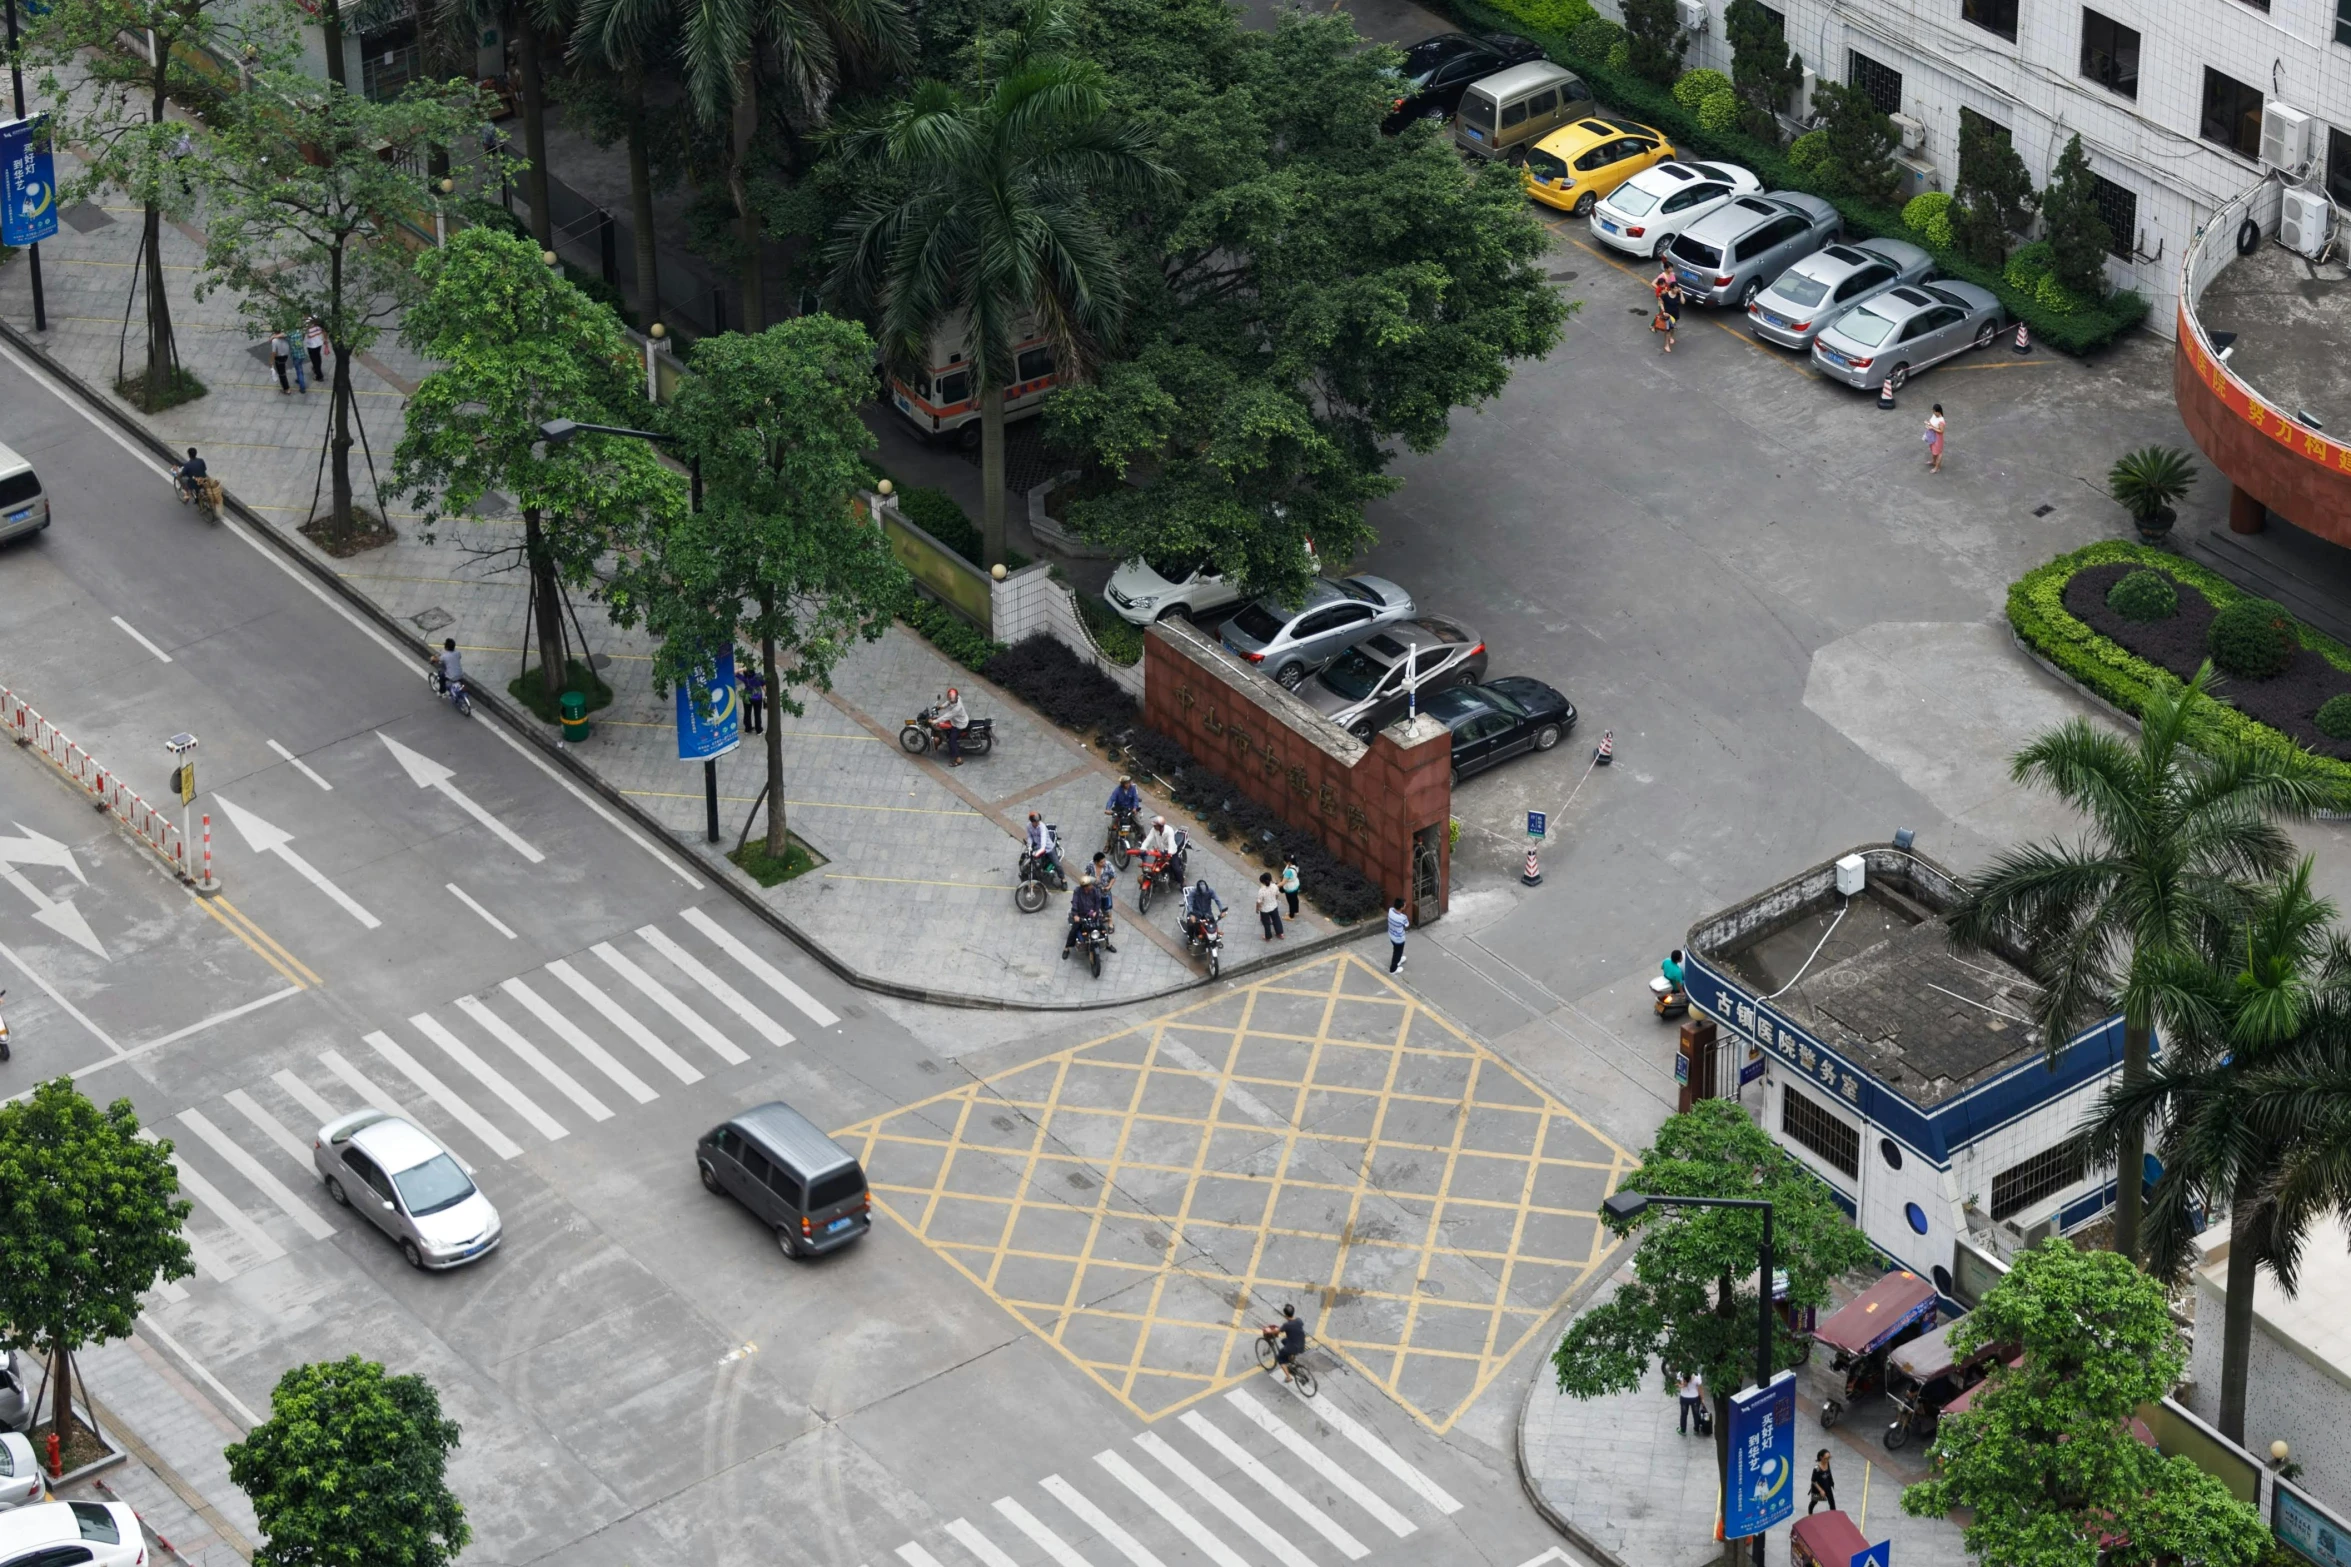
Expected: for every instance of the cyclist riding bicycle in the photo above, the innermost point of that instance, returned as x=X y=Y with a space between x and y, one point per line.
x=1290 y=1334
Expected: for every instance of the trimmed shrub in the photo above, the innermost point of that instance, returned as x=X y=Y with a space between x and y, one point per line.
x=1693 y=88
x=942 y=516
x=2052 y=296
x=1720 y=111
x=1929 y=218
x=1805 y=151
x=1548 y=16
x=950 y=633
x=1062 y=686
x=2144 y=595
x=2334 y=717
x=2027 y=267
x=1620 y=54
x=1594 y=39
x=2253 y=639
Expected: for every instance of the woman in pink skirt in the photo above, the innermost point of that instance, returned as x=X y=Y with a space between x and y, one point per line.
x=1934 y=440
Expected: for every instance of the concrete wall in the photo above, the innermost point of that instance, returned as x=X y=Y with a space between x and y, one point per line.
x=1030 y=603
x=2293 y=1392
x=952 y=580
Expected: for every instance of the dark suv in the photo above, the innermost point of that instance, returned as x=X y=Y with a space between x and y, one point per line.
x=1437 y=71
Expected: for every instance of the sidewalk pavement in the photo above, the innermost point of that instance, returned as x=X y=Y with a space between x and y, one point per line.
x=915 y=896
x=174 y=1475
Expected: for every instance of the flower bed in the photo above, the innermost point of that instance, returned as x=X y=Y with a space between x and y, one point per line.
x=2059 y=610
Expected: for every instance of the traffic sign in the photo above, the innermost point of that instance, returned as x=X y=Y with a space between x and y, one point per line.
x=1538 y=824
x=1878 y=1555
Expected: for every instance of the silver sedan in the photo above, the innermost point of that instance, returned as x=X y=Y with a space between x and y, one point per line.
x=408 y=1186
x=1829 y=282
x=1291 y=644
x=1904 y=330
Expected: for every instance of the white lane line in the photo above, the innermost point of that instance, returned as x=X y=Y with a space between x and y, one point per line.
x=728 y=996
x=1160 y=1502
x=914 y=1555
x=535 y=1058
x=249 y=1167
x=687 y=1018
x=271 y=1127
x=253 y=1235
x=440 y=1093
x=1053 y=1545
x=105 y=427
x=132 y=632
x=300 y=766
x=1321 y=1463
x=1099 y=1521
x=779 y=982
x=369 y=1094
x=492 y=920
x=523 y=750
x=1385 y=1456
x=1274 y=1486
x=1223 y=1501
x=72 y=1011
x=148 y=1327
x=619 y=1017
x=489 y=1076
x=987 y=1550
x=571 y=1034
x=308 y=1098
x=177 y=1035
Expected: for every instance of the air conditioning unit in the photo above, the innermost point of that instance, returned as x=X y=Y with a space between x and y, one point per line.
x=2039 y=1233
x=1912 y=132
x=2285 y=136
x=1917 y=178
x=1693 y=14
x=2305 y=222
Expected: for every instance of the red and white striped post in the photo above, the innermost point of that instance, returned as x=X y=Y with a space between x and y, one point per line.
x=208 y=882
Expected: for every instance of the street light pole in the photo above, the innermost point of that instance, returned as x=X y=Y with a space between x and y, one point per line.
x=32 y=251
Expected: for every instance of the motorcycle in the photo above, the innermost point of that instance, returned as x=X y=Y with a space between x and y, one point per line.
x=1162 y=870
x=1204 y=940
x=1093 y=938
x=1126 y=831
x=922 y=733
x=1671 y=1000
x=204 y=495
x=453 y=690
x=1037 y=879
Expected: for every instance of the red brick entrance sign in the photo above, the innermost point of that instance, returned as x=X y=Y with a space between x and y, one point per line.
x=1375 y=806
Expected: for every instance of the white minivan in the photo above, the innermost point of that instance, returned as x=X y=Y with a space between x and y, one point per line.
x=24 y=506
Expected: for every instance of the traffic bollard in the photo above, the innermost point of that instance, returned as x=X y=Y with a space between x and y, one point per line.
x=2024 y=339
x=1886 y=395
x=1607 y=751
x=1533 y=875
x=208 y=882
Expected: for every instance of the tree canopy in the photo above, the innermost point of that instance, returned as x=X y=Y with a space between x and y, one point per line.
x=349 y=1471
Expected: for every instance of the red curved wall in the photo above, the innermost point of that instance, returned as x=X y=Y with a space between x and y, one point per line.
x=2303 y=476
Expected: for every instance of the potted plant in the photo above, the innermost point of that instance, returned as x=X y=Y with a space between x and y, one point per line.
x=2146 y=482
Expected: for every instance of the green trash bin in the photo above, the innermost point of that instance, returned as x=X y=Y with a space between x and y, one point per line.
x=575 y=716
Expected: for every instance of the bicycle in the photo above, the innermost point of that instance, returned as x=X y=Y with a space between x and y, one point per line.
x=1301 y=1375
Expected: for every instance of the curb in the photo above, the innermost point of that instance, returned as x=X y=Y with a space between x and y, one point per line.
x=1526 y=1482
x=722 y=871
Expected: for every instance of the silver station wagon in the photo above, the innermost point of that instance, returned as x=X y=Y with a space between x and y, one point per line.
x=1904 y=330
x=1733 y=251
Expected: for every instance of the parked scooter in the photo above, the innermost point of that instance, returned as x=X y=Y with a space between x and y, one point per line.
x=1204 y=940
x=1038 y=878
x=921 y=732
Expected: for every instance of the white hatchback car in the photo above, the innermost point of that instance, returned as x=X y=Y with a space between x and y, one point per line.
x=20 y=1472
x=408 y=1185
x=64 y=1534
x=1641 y=216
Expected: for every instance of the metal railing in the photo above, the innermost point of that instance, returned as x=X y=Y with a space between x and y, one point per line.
x=106 y=790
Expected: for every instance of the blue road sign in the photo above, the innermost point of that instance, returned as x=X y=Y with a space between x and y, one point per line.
x=1878 y=1555
x=710 y=714
x=28 y=182
x=1762 y=1489
x=1537 y=824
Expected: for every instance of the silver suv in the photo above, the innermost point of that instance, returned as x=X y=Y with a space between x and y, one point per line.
x=1337 y=614
x=1731 y=253
x=408 y=1186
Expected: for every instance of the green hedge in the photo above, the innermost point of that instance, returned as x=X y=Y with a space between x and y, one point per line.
x=949 y=632
x=2074 y=331
x=2036 y=608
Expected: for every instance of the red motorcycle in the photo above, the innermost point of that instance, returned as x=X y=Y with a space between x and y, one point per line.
x=1161 y=871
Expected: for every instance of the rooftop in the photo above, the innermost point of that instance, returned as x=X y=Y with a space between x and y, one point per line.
x=2292 y=322
x=2312 y=1317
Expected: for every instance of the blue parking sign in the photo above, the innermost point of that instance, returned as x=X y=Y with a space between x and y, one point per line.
x=1537 y=824
x=713 y=725
x=28 y=182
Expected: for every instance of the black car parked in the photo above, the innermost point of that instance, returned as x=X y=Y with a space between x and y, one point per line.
x=1437 y=71
x=1499 y=719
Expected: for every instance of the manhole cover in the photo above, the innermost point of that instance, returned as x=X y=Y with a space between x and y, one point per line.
x=491 y=504
x=84 y=216
x=432 y=619
x=2043 y=510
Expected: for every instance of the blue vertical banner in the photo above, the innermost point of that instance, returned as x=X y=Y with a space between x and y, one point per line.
x=28 y=182
x=1761 y=1490
x=713 y=726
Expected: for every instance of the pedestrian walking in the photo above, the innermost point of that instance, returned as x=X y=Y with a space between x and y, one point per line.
x=1934 y=440
x=1397 y=925
x=1269 y=906
x=1669 y=307
x=1693 y=1392
x=1824 y=1485
x=754 y=685
x=1104 y=874
x=314 y=342
x=1290 y=882
x=281 y=354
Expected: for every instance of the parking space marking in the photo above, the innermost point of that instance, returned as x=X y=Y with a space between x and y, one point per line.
x=1718 y=324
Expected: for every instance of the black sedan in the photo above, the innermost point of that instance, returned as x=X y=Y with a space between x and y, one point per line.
x=1437 y=71
x=1499 y=719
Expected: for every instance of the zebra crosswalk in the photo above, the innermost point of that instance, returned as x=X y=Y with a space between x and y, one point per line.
x=526 y=1061
x=1129 y=1514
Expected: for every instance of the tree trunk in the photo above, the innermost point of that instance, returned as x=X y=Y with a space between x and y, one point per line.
x=547 y=605
x=160 y=359
x=1722 y=1474
x=60 y=1391
x=991 y=473
x=744 y=129
x=330 y=37
x=2236 y=1331
x=641 y=204
x=339 y=526
x=2130 y=1171
x=534 y=126
x=778 y=829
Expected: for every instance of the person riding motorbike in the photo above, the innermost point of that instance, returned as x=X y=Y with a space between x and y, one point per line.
x=1044 y=849
x=448 y=666
x=1163 y=851
x=1085 y=903
x=1671 y=968
x=952 y=718
x=1125 y=806
x=1201 y=906
x=188 y=473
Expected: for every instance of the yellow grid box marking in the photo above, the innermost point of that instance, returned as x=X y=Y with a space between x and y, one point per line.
x=1142 y=1201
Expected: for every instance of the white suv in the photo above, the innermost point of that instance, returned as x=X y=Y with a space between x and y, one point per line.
x=67 y=1534
x=20 y=1472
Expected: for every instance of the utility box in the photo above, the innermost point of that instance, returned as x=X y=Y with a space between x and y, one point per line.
x=1852 y=876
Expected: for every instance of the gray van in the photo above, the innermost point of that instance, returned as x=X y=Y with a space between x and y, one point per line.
x=801 y=1184
x=1502 y=114
x=24 y=507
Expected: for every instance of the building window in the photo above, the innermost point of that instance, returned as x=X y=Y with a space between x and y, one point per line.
x=2042 y=1176
x=1884 y=84
x=1826 y=1134
x=1972 y=125
x=1993 y=16
x=2343 y=21
x=2232 y=113
x=2339 y=162
x=2120 y=209
x=2258 y=5
x=1779 y=19
x=2110 y=53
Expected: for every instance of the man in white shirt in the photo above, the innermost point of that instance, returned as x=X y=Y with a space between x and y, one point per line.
x=1693 y=1390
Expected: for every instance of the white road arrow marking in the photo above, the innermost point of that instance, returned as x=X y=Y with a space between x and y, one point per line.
x=426 y=773
x=263 y=838
x=34 y=849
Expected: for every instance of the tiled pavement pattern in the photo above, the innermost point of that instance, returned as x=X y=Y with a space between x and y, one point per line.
x=921 y=861
x=176 y=1465
x=1144 y=1200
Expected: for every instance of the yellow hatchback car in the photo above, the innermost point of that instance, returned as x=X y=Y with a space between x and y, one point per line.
x=1578 y=164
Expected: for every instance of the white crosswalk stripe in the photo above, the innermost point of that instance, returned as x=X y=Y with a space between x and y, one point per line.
x=488 y=1076
x=312 y=1100
x=305 y=1218
x=253 y=1235
x=987 y=1550
x=1274 y=1485
x=914 y=1555
x=371 y=1094
x=1063 y=1553
x=725 y=940
x=573 y=1035
x=533 y=1057
x=1099 y=1521
x=619 y=1017
x=728 y=996
x=654 y=991
x=1321 y=1463
x=1164 y=1505
x=269 y=1126
x=1216 y=1496
x=440 y=1093
x=1386 y=1457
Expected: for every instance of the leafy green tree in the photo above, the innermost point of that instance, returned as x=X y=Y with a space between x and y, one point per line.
x=779 y=551
x=1764 y=70
x=2179 y=821
x=89 y=1221
x=350 y=1470
x=2269 y=1014
x=1002 y=233
x=1655 y=39
x=1691 y=1301
x=518 y=346
x=1993 y=198
x=308 y=209
x=1857 y=152
x=2045 y=1462
x=2079 y=240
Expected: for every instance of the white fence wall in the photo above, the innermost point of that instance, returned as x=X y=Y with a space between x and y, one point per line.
x=1029 y=602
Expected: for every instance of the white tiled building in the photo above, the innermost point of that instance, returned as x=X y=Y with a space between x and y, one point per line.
x=2168 y=96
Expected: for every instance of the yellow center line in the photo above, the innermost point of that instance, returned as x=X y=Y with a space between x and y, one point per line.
x=264 y=947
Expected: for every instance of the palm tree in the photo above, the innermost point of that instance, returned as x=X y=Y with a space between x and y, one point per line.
x=995 y=228
x=2181 y=822
x=2245 y=1033
x=628 y=37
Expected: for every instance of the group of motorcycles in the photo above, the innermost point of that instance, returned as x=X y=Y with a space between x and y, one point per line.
x=1041 y=876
